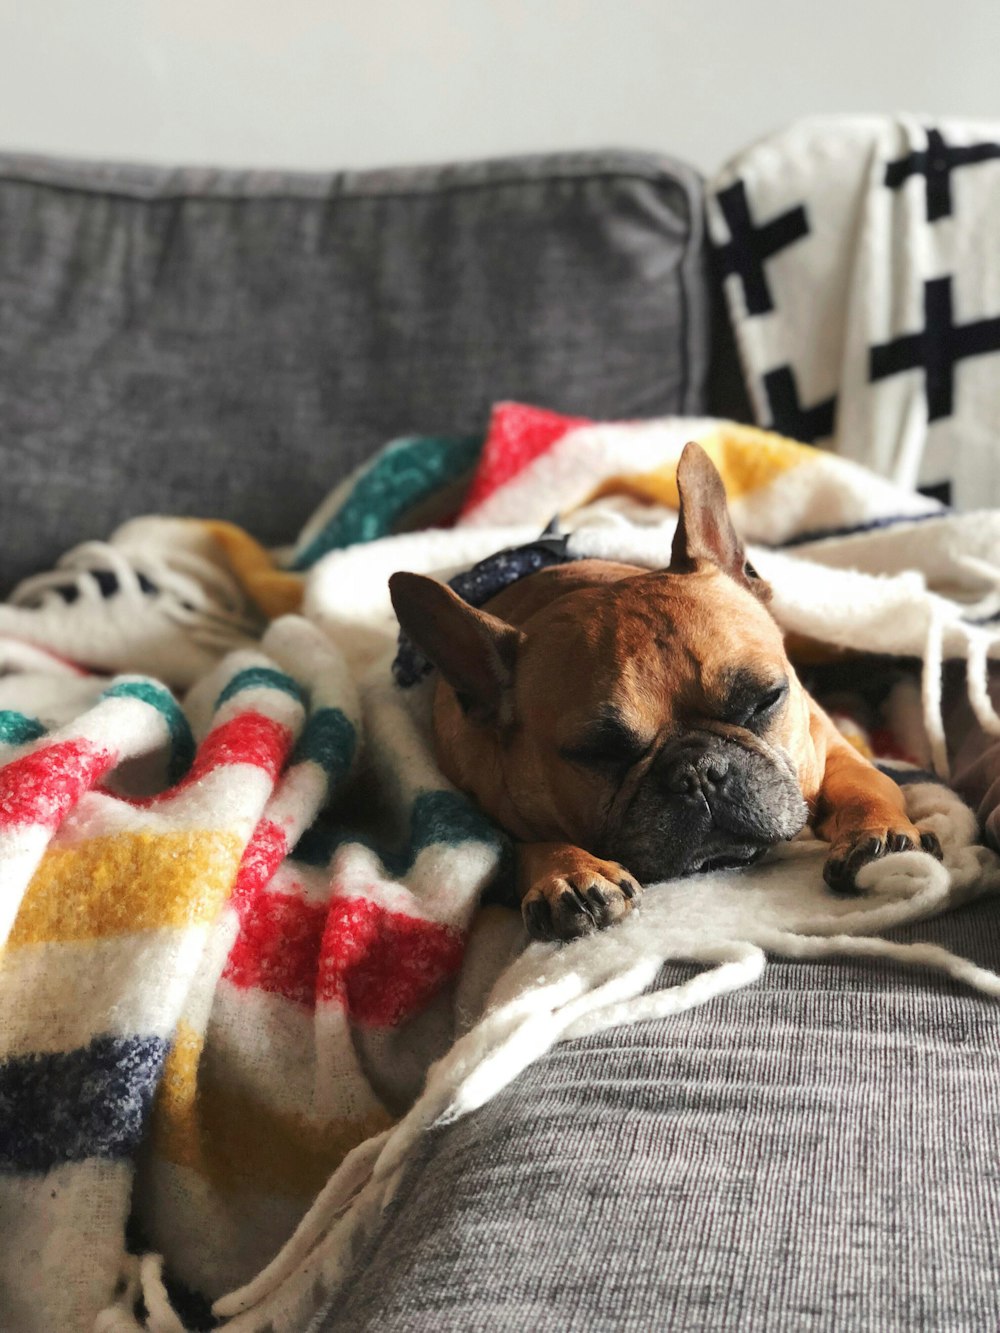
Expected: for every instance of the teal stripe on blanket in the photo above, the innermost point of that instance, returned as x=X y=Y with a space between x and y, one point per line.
x=75 y=1105
x=181 y=739
x=403 y=475
x=18 y=728
x=449 y=818
x=257 y=678
x=438 y=818
x=329 y=739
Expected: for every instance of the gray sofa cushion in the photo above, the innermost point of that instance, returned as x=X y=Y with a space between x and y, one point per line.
x=816 y=1152
x=230 y=344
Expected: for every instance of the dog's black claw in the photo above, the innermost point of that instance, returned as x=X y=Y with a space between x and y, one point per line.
x=930 y=843
x=833 y=873
x=597 y=897
x=840 y=874
x=581 y=914
x=572 y=901
x=628 y=887
x=899 y=842
x=869 y=850
x=538 y=919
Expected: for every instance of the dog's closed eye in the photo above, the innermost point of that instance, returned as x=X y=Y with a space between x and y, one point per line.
x=769 y=701
x=608 y=742
x=751 y=702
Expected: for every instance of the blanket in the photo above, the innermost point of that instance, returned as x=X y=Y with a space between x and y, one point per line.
x=858 y=257
x=245 y=962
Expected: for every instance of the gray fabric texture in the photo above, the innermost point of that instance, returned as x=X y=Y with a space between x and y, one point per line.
x=230 y=344
x=816 y=1152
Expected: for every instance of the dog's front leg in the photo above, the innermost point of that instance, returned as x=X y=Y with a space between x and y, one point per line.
x=566 y=892
x=862 y=813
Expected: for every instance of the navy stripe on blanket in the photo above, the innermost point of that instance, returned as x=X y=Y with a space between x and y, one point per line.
x=74 y=1105
x=904 y=776
x=873 y=525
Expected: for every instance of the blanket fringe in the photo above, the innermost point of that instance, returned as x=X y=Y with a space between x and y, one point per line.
x=978 y=681
x=932 y=685
x=143 y=1279
x=933 y=956
x=976 y=646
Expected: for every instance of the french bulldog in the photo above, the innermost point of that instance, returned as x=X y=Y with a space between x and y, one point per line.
x=627 y=726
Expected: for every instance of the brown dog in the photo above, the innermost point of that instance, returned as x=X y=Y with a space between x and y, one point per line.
x=628 y=726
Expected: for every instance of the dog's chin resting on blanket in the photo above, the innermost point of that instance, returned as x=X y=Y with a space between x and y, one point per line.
x=628 y=726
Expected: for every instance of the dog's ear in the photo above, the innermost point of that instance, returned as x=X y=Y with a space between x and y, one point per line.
x=474 y=651
x=704 y=527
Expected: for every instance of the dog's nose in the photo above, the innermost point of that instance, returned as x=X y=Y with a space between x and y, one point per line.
x=704 y=774
x=717 y=768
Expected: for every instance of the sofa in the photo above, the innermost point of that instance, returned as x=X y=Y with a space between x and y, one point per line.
x=816 y=1152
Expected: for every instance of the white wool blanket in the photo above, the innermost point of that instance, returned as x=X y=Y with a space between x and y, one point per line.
x=396 y=1037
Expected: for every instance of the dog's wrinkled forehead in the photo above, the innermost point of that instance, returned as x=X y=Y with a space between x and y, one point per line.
x=654 y=644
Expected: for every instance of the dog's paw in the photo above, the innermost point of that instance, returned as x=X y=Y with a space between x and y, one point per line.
x=579 y=897
x=861 y=846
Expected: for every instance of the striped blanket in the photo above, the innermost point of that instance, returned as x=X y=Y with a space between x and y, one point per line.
x=245 y=962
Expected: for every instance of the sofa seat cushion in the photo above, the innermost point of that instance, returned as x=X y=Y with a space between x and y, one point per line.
x=818 y=1151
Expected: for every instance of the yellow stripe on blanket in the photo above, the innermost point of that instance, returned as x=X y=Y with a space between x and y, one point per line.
x=748 y=459
x=274 y=591
x=237 y=1142
x=126 y=883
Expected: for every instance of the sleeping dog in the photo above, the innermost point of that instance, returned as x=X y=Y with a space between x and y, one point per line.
x=628 y=726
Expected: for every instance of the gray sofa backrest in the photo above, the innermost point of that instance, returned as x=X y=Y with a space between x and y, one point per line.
x=230 y=344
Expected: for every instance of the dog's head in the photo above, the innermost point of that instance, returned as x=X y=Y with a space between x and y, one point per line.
x=651 y=718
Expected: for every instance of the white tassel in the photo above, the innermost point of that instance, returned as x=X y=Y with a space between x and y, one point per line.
x=931 y=956
x=978 y=680
x=160 y=1314
x=989 y=603
x=745 y=965
x=931 y=688
x=119 y=1317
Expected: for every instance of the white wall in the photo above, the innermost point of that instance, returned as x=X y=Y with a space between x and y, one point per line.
x=330 y=83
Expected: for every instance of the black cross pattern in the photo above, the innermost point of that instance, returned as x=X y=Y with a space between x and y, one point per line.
x=788 y=416
x=935 y=164
x=937 y=349
x=749 y=247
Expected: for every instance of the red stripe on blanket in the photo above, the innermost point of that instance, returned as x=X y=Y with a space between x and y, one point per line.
x=278 y=947
x=382 y=966
x=250 y=738
x=40 y=787
x=263 y=854
x=517 y=436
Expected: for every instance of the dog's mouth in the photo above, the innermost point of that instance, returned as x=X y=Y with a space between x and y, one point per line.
x=734 y=858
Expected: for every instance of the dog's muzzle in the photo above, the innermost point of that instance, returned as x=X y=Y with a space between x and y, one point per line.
x=708 y=803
